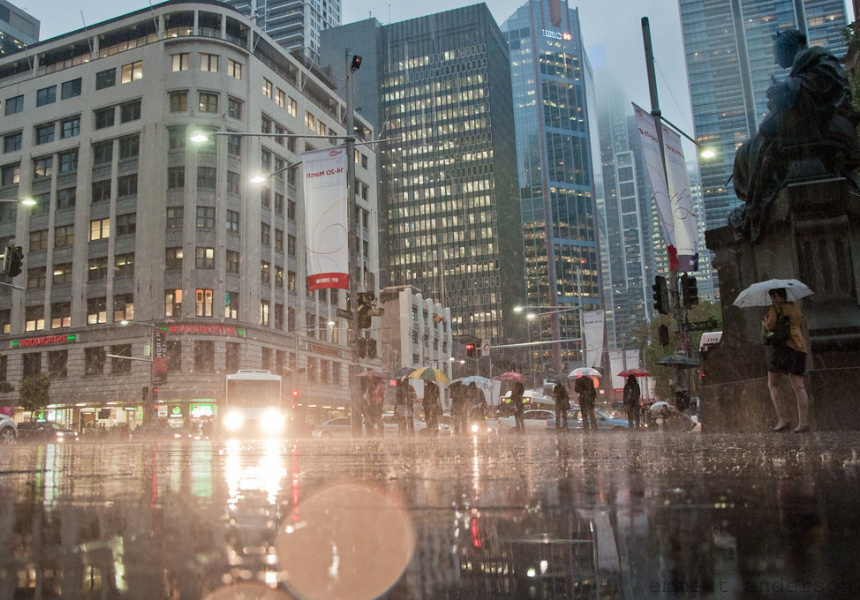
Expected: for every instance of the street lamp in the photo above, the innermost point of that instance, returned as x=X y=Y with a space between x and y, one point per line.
x=147 y=408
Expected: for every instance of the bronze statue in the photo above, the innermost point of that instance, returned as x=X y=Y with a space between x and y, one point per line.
x=810 y=132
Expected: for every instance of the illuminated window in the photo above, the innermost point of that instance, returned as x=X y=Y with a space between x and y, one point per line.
x=203 y=303
x=132 y=71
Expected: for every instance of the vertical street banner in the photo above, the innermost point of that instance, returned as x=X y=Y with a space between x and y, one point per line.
x=592 y=330
x=674 y=201
x=159 y=349
x=616 y=365
x=631 y=359
x=326 y=219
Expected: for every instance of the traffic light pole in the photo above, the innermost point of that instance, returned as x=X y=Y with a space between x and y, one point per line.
x=355 y=389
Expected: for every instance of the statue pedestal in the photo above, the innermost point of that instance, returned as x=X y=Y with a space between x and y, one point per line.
x=813 y=234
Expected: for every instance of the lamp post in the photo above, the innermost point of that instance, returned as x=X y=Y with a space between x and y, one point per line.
x=536 y=312
x=147 y=407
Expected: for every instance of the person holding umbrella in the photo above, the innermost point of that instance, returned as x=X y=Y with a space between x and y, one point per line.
x=632 y=392
x=787 y=360
x=432 y=407
x=519 y=409
x=562 y=404
x=584 y=386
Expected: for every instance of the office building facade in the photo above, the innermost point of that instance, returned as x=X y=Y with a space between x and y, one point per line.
x=449 y=216
x=17 y=29
x=135 y=222
x=552 y=81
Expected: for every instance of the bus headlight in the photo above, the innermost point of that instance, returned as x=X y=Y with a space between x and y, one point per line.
x=233 y=421
x=272 y=421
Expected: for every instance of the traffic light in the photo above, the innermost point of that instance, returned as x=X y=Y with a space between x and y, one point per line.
x=471 y=350
x=356 y=62
x=13 y=259
x=661 y=295
x=370 y=348
x=295 y=397
x=365 y=305
x=689 y=290
x=663 y=335
x=155 y=394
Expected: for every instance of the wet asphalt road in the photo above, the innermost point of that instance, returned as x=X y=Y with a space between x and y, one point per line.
x=606 y=515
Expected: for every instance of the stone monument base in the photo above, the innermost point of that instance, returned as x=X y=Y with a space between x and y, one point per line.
x=813 y=235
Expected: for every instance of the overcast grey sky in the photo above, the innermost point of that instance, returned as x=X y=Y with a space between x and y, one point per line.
x=611 y=28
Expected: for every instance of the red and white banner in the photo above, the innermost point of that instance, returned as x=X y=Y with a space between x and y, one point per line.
x=326 y=220
x=675 y=203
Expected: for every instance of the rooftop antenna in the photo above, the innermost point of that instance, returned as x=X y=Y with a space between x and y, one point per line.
x=89 y=41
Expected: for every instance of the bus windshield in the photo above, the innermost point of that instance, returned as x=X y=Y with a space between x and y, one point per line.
x=250 y=393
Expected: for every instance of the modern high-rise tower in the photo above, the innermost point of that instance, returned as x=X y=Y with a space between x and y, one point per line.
x=449 y=215
x=551 y=80
x=17 y=29
x=294 y=25
x=730 y=65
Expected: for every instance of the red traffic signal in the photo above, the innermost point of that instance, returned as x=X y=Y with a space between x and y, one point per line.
x=471 y=350
x=295 y=393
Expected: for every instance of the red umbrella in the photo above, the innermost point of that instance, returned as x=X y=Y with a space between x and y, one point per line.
x=637 y=372
x=511 y=376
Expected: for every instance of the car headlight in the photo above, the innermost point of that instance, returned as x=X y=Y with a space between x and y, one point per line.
x=233 y=421
x=475 y=428
x=272 y=421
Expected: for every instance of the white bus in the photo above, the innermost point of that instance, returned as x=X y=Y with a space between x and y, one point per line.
x=253 y=406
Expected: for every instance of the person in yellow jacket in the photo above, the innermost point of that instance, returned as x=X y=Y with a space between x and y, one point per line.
x=788 y=360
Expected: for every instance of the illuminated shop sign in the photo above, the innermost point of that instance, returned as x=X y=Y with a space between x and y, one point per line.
x=201 y=411
x=556 y=35
x=206 y=330
x=48 y=340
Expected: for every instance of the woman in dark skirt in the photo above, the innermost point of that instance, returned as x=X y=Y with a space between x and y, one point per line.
x=788 y=360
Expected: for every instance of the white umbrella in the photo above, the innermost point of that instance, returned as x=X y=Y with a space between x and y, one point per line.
x=658 y=406
x=584 y=371
x=757 y=293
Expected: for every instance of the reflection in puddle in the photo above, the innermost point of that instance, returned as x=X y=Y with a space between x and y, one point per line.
x=515 y=517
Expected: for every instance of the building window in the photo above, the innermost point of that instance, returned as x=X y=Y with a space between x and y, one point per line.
x=99 y=229
x=61 y=315
x=173 y=303
x=66 y=198
x=126 y=186
x=204 y=356
x=231 y=364
x=291 y=210
x=124 y=265
x=173 y=258
x=203 y=303
x=234 y=145
x=174 y=356
x=233 y=185
x=291 y=281
x=70 y=127
x=205 y=217
x=96 y=311
x=264 y=313
x=232 y=261
x=34 y=318
x=234 y=68
x=204 y=258
x=123 y=308
x=120 y=366
x=94 y=361
x=279 y=204
x=175 y=217
x=46 y=95
x=102 y=153
x=43 y=167
x=265 y=271
x=101 y=190
x=45 y=133
x=104 y=117
x=293 y=107
x=279 y=240
x=208 y=102
x=176 y=137
x=267 y=88
x=232 y=221
x=266 y=359
x=12 y=142
x=279 y=277
x=62 y=274
x=209 y=62
x=64 y=235
x=105 y=79
x=57 y=362
x=181 y=61
x=175 y=178
x=234 y=108
x=126 y=224
x=70 y=89
x=130 y=111
x=14 y=105
x=310 y=121
x=178 y=101
x=32 y=363
x=279 y=317
x=231 y=306
x=132 y=71
x=36 y=278
x=291 y=245
x=206 y=178
x=39 y=240
x=129 y=147
x=68 y=161
x=98 y=268
x=281 y=98
x=265 y=234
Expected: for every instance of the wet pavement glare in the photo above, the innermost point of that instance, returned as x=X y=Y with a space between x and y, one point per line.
x=630 y=515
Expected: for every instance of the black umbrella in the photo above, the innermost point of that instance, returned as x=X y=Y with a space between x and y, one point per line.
x=677 y=360
x=403 y=372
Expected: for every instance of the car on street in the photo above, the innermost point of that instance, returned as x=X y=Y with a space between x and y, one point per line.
x=534 y=421
x=45 y=431
x=8 y=430
x=605 y=421
x=156 y=431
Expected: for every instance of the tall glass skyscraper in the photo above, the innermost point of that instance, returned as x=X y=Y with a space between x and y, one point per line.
x=449 y=216
x=730 y=65
x=551 y=81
